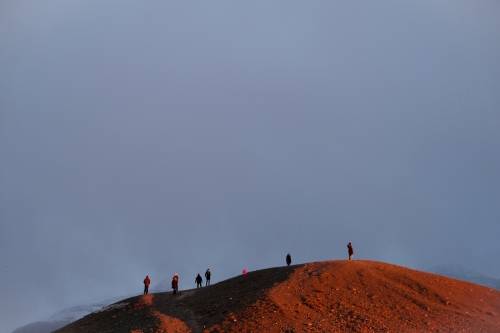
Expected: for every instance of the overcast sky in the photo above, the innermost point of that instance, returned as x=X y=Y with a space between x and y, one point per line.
x=171 y=136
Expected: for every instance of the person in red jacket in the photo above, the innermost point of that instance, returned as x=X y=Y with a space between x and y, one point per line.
x=147 y=282
x=175 y=283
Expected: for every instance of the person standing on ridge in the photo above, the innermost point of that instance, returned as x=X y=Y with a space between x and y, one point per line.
x=208 y=274
x=288 y=259
x=175 y=283
x=350 y=251
x=198 y=280
x=147 y=282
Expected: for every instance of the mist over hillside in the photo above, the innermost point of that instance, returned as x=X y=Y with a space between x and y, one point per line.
x=171 y=136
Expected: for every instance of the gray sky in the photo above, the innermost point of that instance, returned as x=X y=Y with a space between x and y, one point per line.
x=170 y=136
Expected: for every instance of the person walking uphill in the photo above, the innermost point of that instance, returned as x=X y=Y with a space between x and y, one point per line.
x=198 y=281
x=350 y=251
x=175 y=283
x=288 y=259
x=147 y=282
x=208 y=275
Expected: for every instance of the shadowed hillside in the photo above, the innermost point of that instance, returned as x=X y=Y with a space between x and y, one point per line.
x=336 y=296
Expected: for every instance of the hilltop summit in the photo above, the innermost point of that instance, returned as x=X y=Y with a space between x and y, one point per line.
x=332 y=296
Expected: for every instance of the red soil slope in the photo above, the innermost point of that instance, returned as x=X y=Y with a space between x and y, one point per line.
x=337 y=296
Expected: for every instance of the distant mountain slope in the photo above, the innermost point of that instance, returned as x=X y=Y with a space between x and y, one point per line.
x=336 y=296
x=41 y=327
x=461 y=273
x=63 y=318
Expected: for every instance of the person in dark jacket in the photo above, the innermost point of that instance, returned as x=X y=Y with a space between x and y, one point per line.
x=208 y=275
x=288 y=259
x=350 y=251
x=175 y=283
x=198 y=280
x=147 y=282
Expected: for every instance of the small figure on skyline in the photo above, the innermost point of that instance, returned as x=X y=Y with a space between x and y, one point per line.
x=198 y=280
x=147 y=282
x=288 y=259
x=244 y=272
x=208 y=275
x=175 y=283
x=350 y=251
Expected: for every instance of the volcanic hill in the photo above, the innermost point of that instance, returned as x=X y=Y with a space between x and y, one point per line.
x=333 y=296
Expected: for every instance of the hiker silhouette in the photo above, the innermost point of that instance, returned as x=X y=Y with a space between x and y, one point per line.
x=198 y=280
x=208 y=275
x=288 y=259
x=350 y=251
